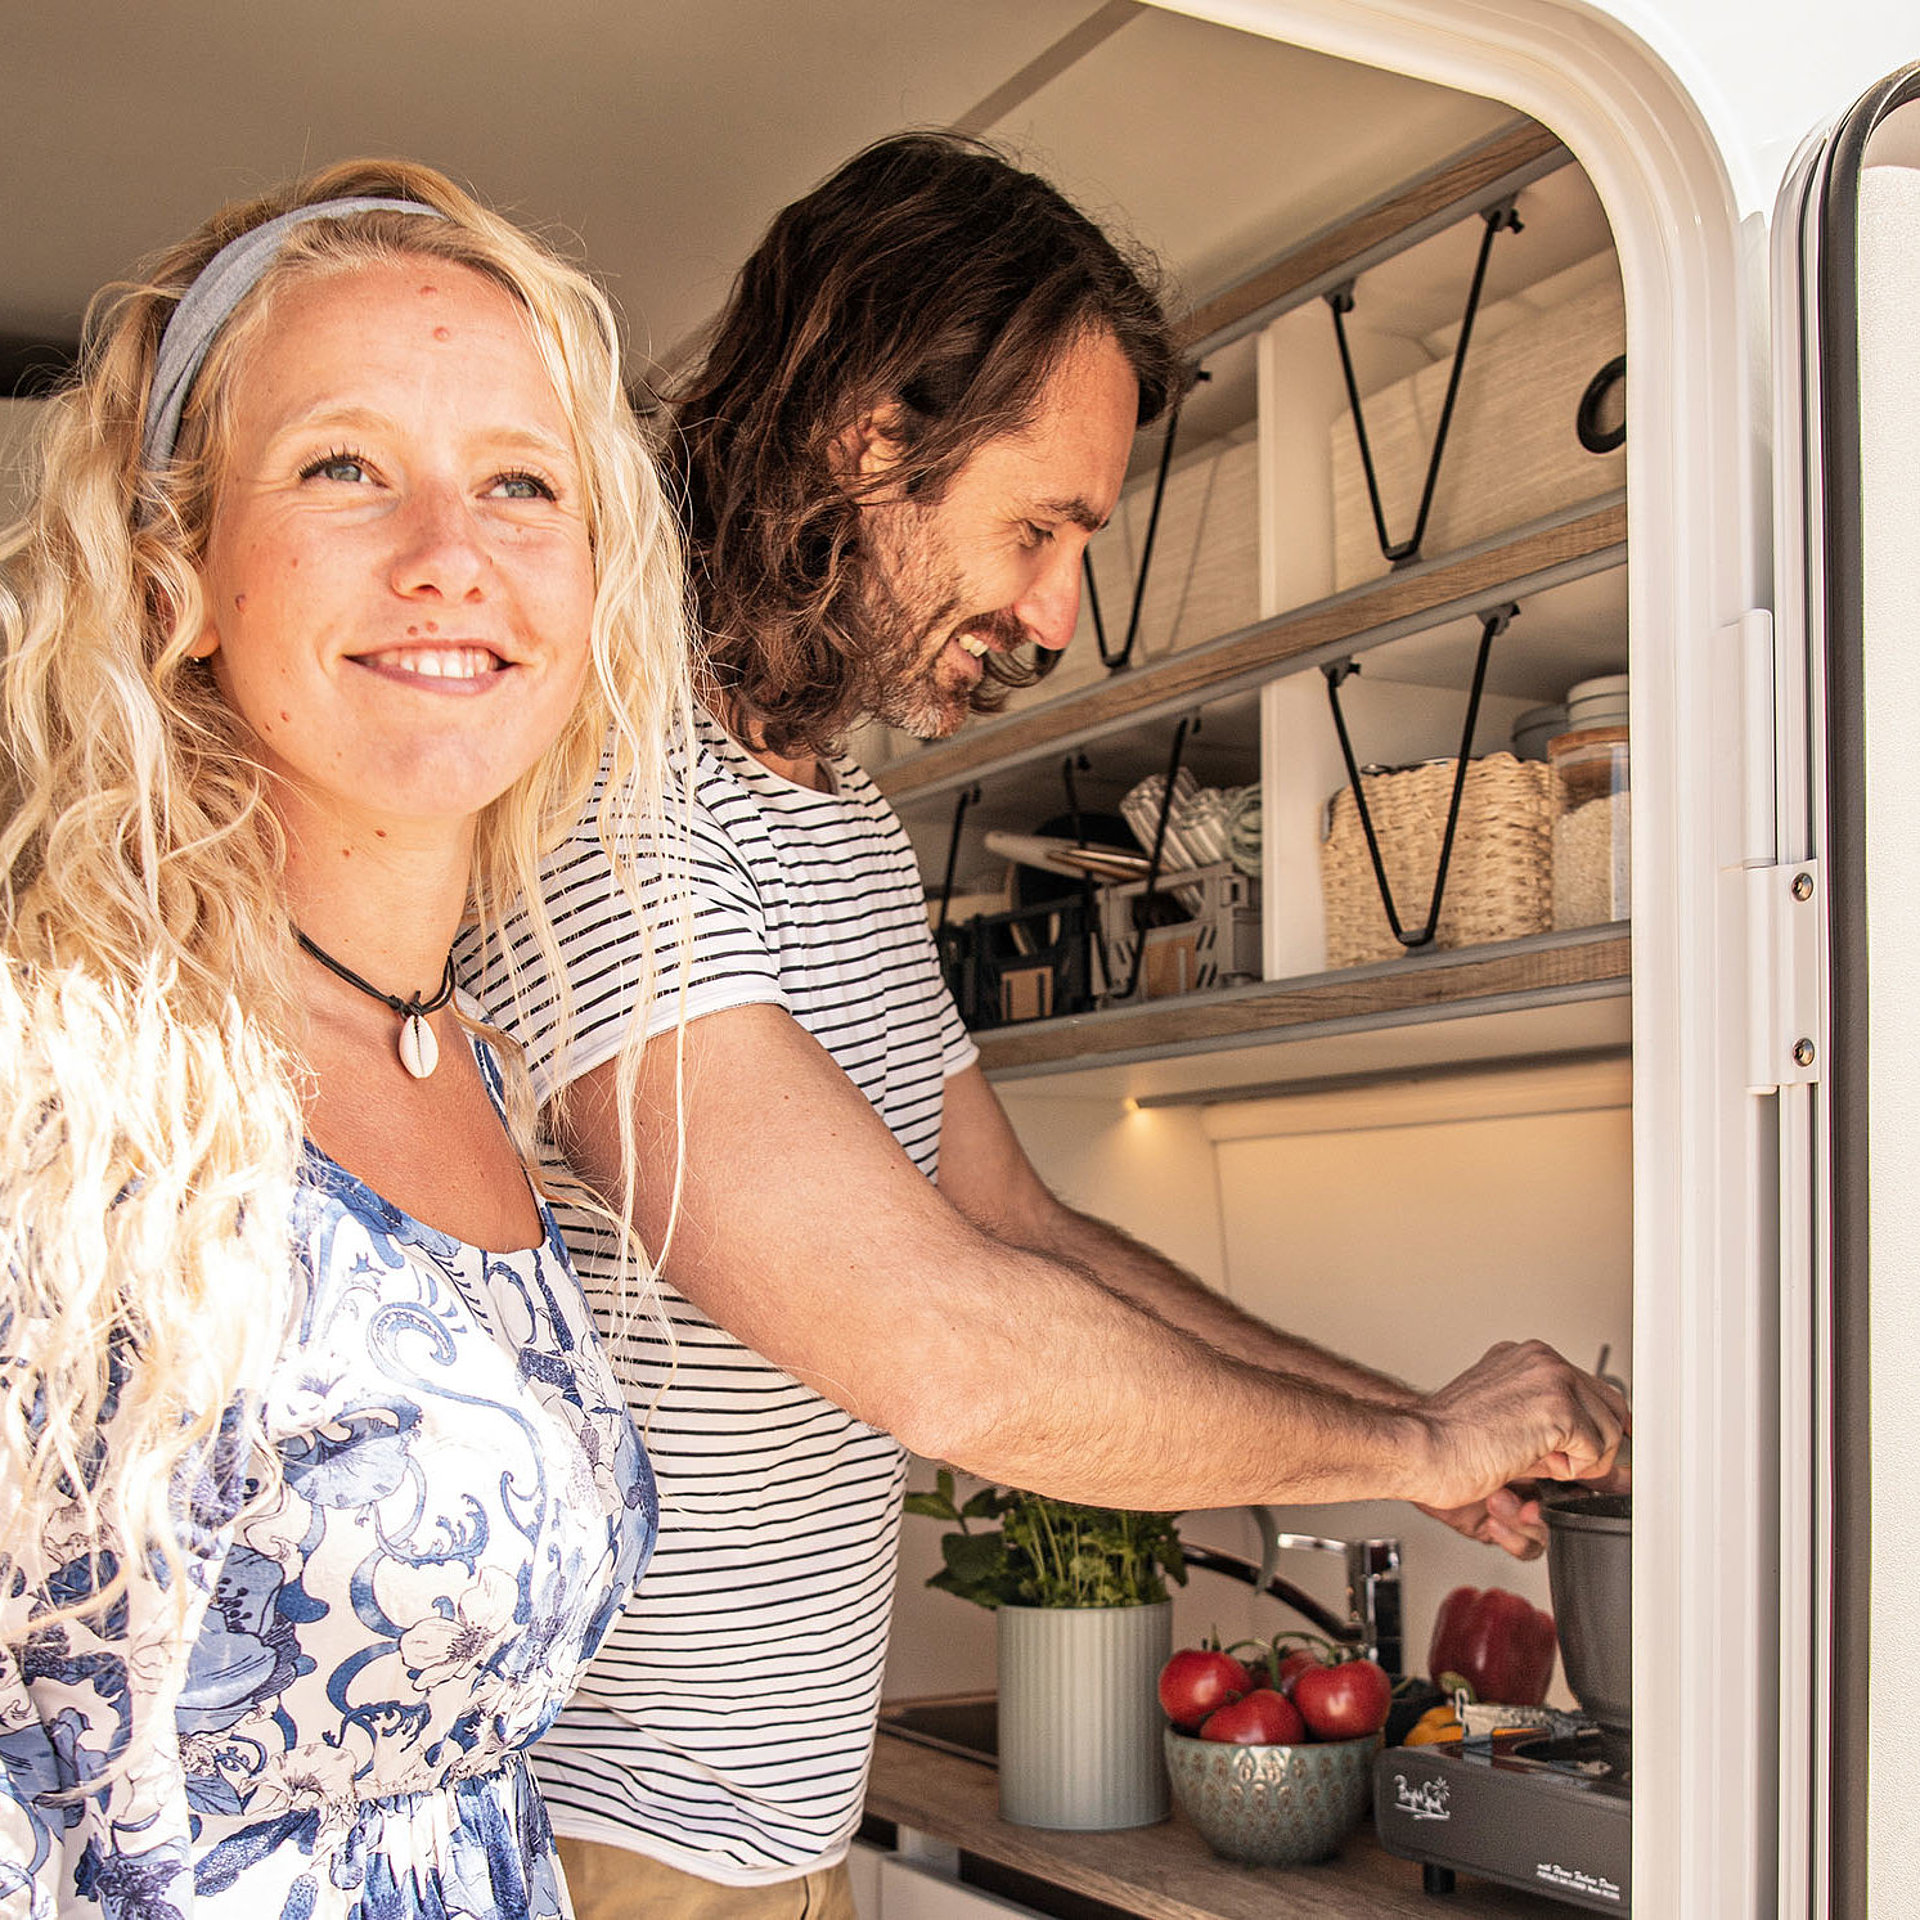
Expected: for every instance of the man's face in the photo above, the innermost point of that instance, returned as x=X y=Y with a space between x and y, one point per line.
x=996 y=560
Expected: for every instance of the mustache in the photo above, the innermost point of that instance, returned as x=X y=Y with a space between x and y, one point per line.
x=1002 y=627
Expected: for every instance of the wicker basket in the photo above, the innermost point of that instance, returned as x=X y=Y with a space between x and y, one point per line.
x=1500 y=882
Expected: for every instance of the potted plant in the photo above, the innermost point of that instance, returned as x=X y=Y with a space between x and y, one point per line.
x=1084 y=1627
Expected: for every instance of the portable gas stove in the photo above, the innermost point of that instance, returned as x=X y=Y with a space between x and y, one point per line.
x=1554 y=1816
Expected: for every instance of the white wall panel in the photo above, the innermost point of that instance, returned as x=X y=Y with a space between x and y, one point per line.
x=1414 y=1238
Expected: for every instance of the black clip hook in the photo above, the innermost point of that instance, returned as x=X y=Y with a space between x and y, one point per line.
x=967 y=796
x=1493 y=622
x=1113 y=662
x=1502 y=217
x=1142 y=905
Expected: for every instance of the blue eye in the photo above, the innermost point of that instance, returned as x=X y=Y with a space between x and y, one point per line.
x=339 y=465
x=521 y=485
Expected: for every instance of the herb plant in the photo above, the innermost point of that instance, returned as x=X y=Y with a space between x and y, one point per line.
x=1050 y=1553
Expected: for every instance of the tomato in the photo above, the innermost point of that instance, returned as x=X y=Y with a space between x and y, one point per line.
x=1346 y=1701
x=1291 y=1666
x=1263 y=1719
x=1196 y=1681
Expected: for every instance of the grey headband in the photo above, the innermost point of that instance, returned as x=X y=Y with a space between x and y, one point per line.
x=208 y=305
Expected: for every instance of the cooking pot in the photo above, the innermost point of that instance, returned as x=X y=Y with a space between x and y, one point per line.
x=1590 y=1568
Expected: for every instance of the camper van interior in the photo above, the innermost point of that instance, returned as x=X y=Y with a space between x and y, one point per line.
x=1331 y=916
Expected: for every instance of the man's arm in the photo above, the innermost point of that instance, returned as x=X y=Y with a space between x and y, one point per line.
x=985 y=1174
x=806 y=1232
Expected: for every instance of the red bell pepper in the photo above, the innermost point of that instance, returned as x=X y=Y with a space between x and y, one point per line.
x=1500 y=1644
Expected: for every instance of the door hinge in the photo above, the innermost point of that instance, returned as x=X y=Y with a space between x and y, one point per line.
x=1786 y=924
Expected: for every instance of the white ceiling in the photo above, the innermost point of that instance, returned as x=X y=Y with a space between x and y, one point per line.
x=662 y=133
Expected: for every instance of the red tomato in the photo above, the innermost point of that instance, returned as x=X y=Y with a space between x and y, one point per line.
x=1292 y=1666
x=1263 y=1719
x=1196 y=1681
x=1344 y=1702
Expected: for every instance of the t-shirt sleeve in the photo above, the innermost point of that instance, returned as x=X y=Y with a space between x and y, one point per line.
x=957 y=1051
x=697 y=900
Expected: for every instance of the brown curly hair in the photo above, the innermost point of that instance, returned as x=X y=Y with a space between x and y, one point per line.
x=931 y=276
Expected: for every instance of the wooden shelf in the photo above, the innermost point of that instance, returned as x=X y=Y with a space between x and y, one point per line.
x=1581 y=965
x=1479 y=177
x=1548 y=553
x=1163 y=1872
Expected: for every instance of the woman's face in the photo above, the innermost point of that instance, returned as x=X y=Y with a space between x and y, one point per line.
x=398 y=582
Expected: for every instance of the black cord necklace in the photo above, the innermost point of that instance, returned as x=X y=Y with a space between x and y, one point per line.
x=419 y=1051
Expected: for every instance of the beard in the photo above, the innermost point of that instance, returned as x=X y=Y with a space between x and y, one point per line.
x=913 y=601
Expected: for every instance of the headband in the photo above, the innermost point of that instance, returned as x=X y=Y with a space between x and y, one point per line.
x=208 y=305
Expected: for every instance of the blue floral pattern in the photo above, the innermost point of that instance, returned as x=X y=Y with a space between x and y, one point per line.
x=464 y=1506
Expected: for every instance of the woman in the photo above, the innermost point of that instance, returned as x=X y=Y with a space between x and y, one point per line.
x=346 y=562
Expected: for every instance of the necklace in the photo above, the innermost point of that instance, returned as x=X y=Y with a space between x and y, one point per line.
x=419 y=1051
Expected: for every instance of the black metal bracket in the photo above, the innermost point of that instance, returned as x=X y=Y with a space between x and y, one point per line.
x=1501 y=218
x=1089 y=910
x=1142 y=906
x=1113 y=662
x=967 y=796
x=1072 y=764
x=1495 y=621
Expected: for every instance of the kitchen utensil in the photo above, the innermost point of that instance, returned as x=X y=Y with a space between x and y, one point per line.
x=1079 y=828
x=1065 y=856
x=1590 y=1569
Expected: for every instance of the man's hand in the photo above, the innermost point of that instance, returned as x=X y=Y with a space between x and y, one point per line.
x=1520 y=1413
x=1507 y=1518
x=1512 y=1517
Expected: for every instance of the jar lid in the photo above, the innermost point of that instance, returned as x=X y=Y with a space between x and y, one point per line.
x=1588 y=689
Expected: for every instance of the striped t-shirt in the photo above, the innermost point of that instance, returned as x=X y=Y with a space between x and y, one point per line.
x=725 y=1727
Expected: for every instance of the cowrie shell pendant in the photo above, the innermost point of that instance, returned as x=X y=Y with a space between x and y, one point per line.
x=419 y=1050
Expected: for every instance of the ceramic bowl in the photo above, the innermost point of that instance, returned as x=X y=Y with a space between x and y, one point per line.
x=1272 y=1806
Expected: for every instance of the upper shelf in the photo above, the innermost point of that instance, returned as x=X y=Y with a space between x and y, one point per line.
x=1547 y=553
x=1574 y=967
x=1481 y=176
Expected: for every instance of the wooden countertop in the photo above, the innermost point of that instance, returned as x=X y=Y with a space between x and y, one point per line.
x=1166 y=1872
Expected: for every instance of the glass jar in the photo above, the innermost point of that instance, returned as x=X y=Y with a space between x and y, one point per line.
x=1592 y=832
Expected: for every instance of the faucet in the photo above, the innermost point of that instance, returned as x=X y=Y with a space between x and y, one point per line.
x=1373 y=1623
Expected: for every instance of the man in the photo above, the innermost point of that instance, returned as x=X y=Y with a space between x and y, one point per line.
x=913 y=414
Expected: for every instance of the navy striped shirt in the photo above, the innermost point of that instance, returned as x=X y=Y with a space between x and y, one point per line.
x=726 y=1726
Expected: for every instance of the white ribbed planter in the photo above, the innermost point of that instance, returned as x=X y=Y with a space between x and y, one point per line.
x=1079 y=1717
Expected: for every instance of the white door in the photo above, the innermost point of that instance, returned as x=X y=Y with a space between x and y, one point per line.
x=1847 y=319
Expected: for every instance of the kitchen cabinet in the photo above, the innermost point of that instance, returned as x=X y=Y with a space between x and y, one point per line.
x=1260 y=701
x=1278 y=1136
x=1406 y=1160
x=1764 y=249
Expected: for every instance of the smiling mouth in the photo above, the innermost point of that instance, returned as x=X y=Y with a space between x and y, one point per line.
x=435 y=663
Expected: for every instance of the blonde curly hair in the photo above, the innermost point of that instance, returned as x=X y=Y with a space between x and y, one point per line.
x=150 y=1049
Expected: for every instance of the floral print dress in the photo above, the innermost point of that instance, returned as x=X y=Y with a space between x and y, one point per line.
x=464 y=1508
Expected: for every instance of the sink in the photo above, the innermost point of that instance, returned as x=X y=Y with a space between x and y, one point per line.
x=967 y=1724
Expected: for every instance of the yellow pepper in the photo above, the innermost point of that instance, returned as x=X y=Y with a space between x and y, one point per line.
x=1435 y=1726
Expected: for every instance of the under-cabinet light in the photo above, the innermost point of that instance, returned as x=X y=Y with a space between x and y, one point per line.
x=1377 y=1077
